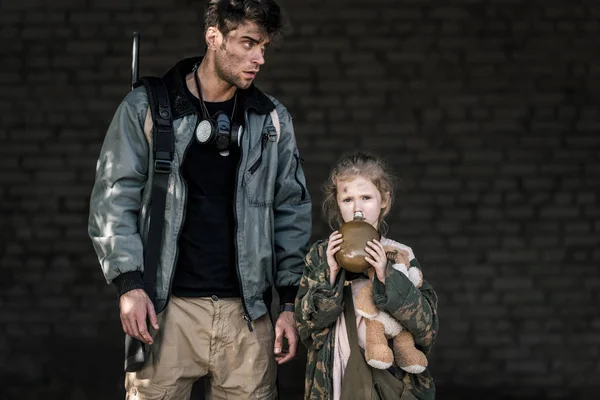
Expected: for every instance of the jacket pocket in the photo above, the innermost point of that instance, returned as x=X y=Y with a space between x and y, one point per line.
x=298 y=180
x=258 y=179
x=255 y=164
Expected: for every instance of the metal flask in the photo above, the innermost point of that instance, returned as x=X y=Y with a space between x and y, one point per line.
x=356 y=234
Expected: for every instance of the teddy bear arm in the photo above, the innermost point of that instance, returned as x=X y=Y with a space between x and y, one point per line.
x=363 y=302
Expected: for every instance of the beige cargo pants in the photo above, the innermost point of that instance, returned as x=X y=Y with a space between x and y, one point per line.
x=207 y=337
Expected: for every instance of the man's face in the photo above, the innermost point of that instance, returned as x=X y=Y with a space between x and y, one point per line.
x=240 y=53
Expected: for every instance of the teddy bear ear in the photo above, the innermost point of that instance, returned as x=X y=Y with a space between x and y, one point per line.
x=390 y=253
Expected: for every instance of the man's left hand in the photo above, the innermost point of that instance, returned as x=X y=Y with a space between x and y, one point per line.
x=285 y=326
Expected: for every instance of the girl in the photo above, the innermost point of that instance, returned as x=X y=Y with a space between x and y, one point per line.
x=359 y=182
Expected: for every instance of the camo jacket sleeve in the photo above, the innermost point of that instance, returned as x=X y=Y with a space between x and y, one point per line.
x=415 y=309
x=318 y=306
x=318 y=303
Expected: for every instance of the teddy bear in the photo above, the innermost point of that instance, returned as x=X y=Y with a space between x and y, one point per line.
x=381 y=326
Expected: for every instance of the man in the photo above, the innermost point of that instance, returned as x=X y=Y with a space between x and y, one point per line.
x=237 y=219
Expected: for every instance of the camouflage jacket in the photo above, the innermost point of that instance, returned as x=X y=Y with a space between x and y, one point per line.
x=319 y=304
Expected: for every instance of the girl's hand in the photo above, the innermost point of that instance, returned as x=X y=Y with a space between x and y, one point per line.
x=377 y=258
x=334 y=245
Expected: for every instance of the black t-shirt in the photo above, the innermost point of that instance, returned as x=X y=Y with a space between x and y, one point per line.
x=206 y=263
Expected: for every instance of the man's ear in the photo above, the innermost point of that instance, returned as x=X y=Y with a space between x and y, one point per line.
x=213 y=38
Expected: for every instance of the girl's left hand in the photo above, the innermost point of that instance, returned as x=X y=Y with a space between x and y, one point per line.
x=377 y=258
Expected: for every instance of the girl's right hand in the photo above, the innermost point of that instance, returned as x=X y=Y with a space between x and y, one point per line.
x=334 y=245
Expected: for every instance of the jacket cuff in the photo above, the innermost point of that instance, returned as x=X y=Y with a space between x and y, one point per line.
x=378 y=287
x=287 y=294
x=128 y=281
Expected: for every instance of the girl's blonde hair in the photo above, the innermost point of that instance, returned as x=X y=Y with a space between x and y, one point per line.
x=350 y=166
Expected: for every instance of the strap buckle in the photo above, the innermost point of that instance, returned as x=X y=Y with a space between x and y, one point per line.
x=162 y=166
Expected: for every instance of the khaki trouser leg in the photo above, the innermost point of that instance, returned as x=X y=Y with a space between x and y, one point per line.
x=179 y=355
x=242 y=362
x=202 y=336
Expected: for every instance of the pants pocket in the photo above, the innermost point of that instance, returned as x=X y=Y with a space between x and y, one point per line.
x=143 y=391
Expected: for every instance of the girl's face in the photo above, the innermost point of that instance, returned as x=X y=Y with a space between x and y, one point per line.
x=360 y=194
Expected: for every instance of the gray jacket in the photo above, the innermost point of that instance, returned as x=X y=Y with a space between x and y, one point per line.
x=272 y=205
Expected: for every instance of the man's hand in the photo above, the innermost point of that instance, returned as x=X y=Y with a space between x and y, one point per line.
x=135 y=307
x=285 y=326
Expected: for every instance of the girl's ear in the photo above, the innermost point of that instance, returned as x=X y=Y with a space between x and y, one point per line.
x=385 y=200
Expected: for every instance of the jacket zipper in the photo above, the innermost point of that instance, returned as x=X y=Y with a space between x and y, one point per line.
x=303 y=197
x=235 y=217
x=185 y=190
x=246 y=316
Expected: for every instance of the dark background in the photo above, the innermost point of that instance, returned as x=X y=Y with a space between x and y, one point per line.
x=487 y=111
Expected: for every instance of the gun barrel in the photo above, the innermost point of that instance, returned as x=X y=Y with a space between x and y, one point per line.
x=135 y=58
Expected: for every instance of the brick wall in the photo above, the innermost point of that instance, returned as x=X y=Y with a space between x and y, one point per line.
x=487 y=111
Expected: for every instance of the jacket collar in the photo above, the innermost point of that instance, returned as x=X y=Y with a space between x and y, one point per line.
x=181 y=106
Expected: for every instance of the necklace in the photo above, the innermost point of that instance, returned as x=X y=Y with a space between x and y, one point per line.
x=205 y=113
